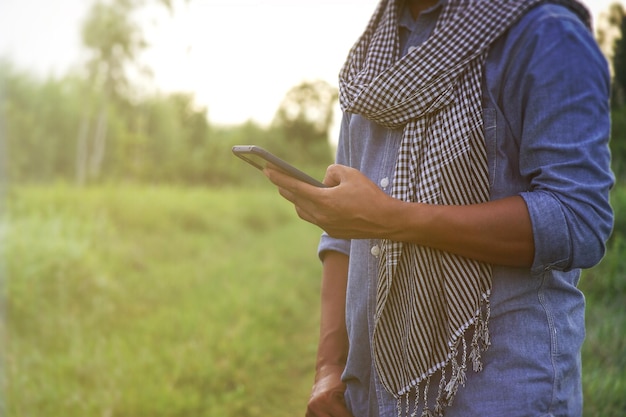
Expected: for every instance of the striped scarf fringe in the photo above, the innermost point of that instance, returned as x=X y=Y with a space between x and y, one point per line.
x=419 y=398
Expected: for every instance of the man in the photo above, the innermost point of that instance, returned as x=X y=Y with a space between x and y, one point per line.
x=471 y=186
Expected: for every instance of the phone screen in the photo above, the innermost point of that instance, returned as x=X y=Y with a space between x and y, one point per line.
x=259 y=157
x=253 y=159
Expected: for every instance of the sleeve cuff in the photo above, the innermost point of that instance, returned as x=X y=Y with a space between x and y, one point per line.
x=328 y=243
x=553 y=247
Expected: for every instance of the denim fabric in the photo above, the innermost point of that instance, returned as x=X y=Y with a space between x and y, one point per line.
x=546 y=89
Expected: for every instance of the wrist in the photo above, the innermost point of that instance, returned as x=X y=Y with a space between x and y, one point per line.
x=404 y=221
x=332 y=353
x=326 y=369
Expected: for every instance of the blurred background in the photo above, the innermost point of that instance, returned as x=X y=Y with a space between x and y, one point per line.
x=144 y=270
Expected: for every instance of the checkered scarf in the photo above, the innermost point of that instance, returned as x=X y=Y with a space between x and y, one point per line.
x=429 y=300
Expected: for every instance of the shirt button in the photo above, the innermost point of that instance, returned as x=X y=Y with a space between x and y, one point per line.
x=375 y=250
x=384 y=182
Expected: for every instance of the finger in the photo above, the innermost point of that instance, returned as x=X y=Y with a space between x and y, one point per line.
x=304 y=208
x=284 y=180
x=287 y=194
x=276 y=176
x=305 y=214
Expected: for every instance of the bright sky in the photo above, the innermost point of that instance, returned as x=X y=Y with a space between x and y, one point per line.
x=238 y=57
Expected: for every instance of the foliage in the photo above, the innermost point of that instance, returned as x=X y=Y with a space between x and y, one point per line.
x=604 y=353
x=616 y=19
x=608 y=35
x=168 y=139
x=163 y=301
x=114 y=40
x=159 y=139
x=40 y=123
x=162 y=138
x=618 y=141
x=126 y=301
x=306 y=115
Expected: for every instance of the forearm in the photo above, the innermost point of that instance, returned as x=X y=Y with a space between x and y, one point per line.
x=497 y=232
x=353 y=207
x=333 y=340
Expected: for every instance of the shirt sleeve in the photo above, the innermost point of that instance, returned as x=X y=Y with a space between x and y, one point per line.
x=558 y=81
x=328 y=243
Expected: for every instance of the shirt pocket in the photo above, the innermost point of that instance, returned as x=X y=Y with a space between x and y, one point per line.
x=489 y=127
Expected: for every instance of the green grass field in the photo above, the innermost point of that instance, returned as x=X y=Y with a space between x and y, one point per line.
x=124 y=301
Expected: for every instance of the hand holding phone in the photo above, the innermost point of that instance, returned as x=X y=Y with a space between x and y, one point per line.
x=258 y=157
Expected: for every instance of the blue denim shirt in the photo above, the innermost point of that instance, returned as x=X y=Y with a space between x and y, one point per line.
x=546 y=117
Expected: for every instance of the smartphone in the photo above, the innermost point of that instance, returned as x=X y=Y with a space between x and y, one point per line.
x=258 y=157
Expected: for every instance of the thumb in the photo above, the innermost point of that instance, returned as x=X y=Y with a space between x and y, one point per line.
x=334 y=175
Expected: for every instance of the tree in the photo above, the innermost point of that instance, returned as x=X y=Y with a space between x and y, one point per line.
x=39 y=119
x=612 y=33
x=115 y=41
x=306 y=114
x=609 y=37
x=619 y=57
